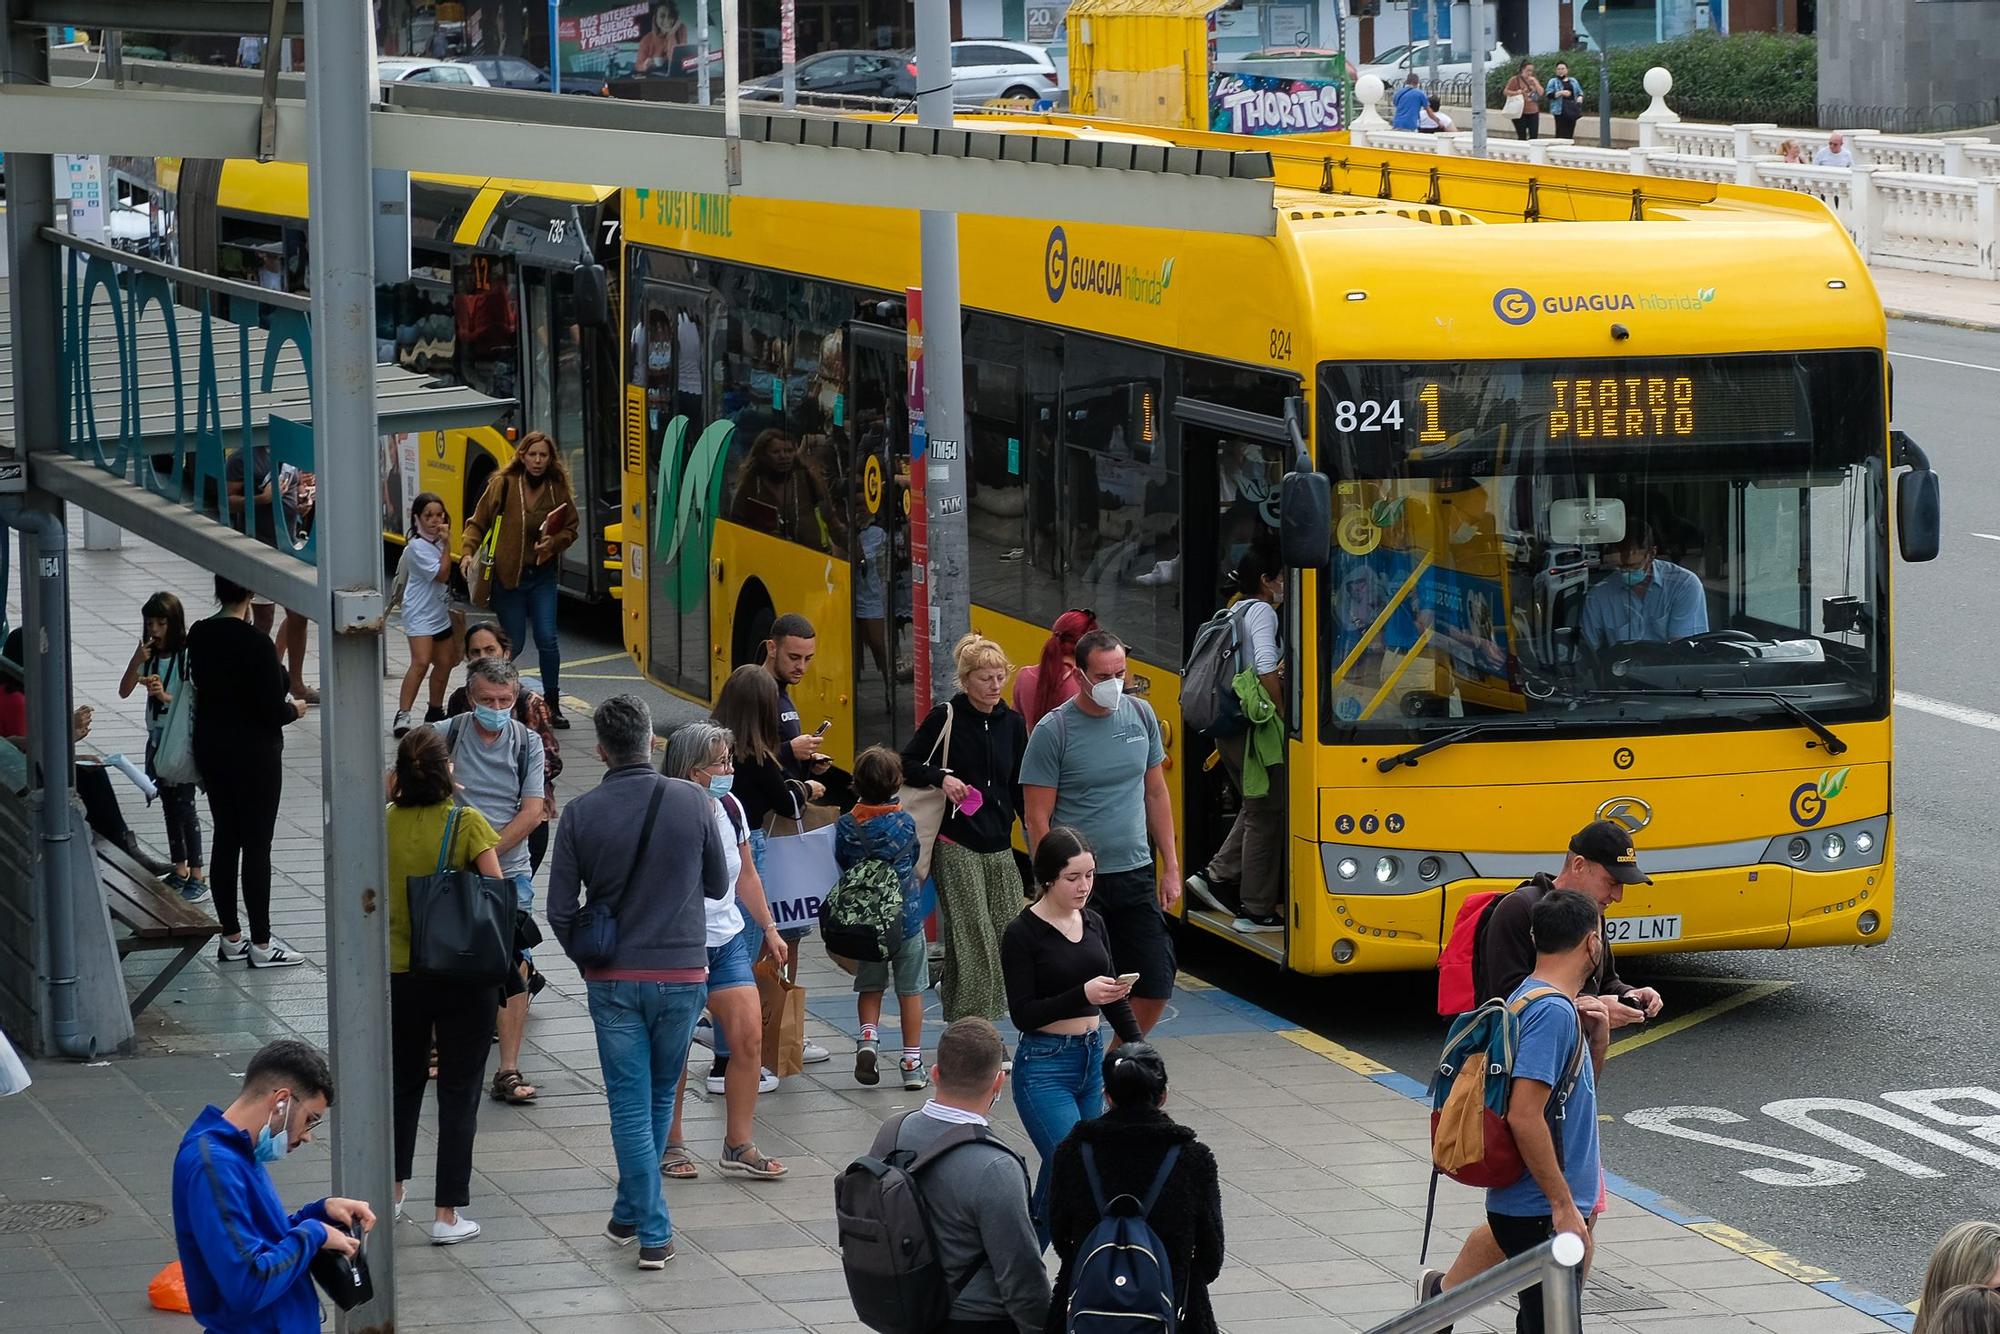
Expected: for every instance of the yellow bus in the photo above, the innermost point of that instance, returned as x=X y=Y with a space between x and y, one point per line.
x=508 y=293
x=1497 y=373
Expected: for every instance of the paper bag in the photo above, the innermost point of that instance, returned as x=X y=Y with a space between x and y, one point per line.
x=784 y=1007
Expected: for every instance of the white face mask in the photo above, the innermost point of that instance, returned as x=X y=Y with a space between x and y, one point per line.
x=1105 y=693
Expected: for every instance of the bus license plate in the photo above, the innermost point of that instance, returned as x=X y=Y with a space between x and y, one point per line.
x=1632 y=930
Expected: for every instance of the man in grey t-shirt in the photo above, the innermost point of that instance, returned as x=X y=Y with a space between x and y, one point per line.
x=499 y=764
x=1097 y=765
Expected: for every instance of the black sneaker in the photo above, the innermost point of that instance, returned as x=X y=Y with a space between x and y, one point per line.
x=655 y=1257
x=1248 y=925
x=621 y=1234
x=434 y=714
x=561 y=724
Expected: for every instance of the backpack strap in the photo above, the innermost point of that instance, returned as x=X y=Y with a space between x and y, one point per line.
x=1090 y=1175
x=1159 y=1179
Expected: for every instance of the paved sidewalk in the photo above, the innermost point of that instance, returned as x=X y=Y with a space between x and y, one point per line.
x=1323 y=1156
x=1937 y=298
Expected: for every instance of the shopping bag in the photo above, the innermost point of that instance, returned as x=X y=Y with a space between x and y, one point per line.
x=799 y=868
x=173 y=758
x=927 y=805
x=784 y=1006
x=13 y=1075
x=1515 y=107
x=169 y=1290
x=481 y=589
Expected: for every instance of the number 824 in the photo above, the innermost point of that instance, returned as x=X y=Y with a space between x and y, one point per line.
x=1367 y=414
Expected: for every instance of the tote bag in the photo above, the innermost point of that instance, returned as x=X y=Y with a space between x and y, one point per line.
x=1516 y=107
x=927 y=805
x=461 y=922
x=173 y=758
x=799 y=868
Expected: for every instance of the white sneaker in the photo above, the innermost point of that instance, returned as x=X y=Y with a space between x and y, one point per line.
x=401 y=727
x=814 y=1053
x=450 y=1234
x=277 y=954
x=232 y=951
x=766 y=1081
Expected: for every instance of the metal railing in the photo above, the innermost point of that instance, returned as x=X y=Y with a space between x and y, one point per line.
x=1551 y=1264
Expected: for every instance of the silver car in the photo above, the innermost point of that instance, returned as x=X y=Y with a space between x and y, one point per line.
x=451 y=73
x=987 y=69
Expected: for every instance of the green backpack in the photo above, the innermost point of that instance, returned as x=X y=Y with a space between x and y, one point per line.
x=861 y=917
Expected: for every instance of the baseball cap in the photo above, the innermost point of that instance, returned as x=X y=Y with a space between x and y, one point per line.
x=1609 y=845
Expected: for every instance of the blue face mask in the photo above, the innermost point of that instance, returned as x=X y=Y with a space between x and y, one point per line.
x=271 y=1148
x=719 y=785
x=493 y=720
x=1633 y=578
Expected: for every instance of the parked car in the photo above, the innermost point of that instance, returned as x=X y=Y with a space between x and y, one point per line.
x=508 y=72
x=984 y=70
x=834 y=75
x=1454 y=61
x=450 y=73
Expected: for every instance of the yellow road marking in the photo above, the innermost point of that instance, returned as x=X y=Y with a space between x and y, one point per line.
x=1333 y=1051
x=1764 y=1254
x=592 y=662
x=1752 y=991
x=1189 y=982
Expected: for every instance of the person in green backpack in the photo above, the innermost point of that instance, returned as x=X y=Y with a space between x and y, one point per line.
x=879 y=830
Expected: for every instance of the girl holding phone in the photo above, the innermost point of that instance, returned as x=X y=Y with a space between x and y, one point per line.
x=1056 y=959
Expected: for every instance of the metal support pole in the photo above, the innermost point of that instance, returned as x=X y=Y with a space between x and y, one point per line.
x=788 y=46
x=732 y=107
x=702 y=54
x=945 y=576
x=555 y=46
x=1603 y=78
x=1431 y=30
x=1477 y=40
x=340 y=40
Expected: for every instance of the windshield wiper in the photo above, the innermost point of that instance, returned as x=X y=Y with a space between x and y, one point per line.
x=1415 y=753
x=1834 y=745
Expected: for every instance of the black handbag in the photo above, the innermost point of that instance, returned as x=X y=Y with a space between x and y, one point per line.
x=344 y=1278
x=461 y=922
x=593 y=936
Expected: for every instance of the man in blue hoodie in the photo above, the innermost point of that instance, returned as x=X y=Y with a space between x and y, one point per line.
x=244 y=1258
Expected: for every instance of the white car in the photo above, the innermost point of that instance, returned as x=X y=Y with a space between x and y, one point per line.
x=984 y=70
x=1454 y=61
x=450 y=73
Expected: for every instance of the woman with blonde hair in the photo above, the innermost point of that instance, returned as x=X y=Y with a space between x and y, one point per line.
x=1968 y=1254
x=531 y=501
x=979 y=767
x=1970 y=1308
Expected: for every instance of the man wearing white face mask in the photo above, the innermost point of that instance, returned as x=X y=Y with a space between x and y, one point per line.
x=1097 y=765
x=243 y=1256
x=1643 y=598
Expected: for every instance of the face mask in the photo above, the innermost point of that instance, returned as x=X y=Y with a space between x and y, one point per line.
x=1633 y=578
x=1464 y=533
x=493 y=720
x=719 y=785
x=1105 y=693
x=271 y=1147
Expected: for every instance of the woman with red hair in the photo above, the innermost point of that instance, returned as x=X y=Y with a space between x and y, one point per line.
x=1042 y=687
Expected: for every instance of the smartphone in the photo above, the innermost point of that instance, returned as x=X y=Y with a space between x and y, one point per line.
x=824 y=725
x=1127 y=979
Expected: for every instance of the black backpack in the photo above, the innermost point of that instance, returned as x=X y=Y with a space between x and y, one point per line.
x=1124 y=1278
x=888 y=1249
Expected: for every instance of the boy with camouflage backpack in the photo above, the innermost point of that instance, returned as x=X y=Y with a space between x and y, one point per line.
x=876 y=846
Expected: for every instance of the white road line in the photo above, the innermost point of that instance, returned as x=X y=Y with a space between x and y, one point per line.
x=1941 y=361
x=1990 y=537
x=1957 y=713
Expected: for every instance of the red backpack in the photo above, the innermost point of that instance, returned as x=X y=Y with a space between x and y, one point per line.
x=1455 y=962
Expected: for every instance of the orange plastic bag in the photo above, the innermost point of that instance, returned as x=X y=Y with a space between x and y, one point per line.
x=169 y=1290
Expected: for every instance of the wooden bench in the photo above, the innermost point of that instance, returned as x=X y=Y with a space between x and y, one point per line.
x=155 y=914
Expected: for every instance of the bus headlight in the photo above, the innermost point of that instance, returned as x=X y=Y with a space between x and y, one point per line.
x=1833 y=847
x=1343 y=951
x=1387 y=869
x=1430 y=868
x=1798 y=850
x=1864 y=842
x=1842 y=847
x=1867 y=924
x=1348 y=868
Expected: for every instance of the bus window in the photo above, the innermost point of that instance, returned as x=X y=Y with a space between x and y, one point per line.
x=1012 y=379
x=414 y=327
x=486 y=306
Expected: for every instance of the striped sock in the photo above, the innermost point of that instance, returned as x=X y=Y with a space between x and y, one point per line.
x=869 y=1032
x=913 y=1056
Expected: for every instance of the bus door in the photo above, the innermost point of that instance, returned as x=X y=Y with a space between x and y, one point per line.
x=1231 y=464
x=874 y=418
x=558 y=405
x=669 y=356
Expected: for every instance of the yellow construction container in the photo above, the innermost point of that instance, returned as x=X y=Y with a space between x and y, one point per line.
x=1141 y=60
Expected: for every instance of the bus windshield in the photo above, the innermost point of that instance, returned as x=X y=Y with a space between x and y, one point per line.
x=1606 y=546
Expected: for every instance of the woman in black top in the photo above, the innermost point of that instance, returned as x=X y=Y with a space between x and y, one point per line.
x=978 y=881
x=243 y=703
x=1128 y=1145
x=1056 y=957
x=748 y=707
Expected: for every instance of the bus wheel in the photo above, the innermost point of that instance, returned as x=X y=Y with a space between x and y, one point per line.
x=754 y=615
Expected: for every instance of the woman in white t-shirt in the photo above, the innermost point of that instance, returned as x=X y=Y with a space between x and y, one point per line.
x=427 y=608
x=1252 y=859
x=740 y=929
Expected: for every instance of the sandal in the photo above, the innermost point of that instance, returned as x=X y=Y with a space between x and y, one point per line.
x=510 y=1088
x=745 y=1159
x=677 y=1164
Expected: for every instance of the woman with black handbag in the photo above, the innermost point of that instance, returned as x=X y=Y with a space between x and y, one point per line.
x=428 y=834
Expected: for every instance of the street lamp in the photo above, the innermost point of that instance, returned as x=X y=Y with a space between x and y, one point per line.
x=1603 y=78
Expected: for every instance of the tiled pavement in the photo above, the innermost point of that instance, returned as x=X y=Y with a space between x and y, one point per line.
x=1324 y=1167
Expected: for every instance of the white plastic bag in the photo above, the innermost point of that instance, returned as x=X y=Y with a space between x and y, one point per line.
x=13 y=1074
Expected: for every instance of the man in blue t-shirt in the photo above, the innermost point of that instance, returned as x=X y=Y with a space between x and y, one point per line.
x=1641 y=598
x=1562 y=1187
x=1411 y=103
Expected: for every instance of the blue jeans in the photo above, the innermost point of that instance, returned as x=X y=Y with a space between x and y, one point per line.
x=532 y=602
x=1058 y=1081
x=643 y=1031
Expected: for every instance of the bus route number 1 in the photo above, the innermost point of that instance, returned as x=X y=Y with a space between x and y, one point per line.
x=1367 y=415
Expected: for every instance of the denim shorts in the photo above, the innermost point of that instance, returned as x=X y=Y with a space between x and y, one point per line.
x=729 y=965
x=910 y=965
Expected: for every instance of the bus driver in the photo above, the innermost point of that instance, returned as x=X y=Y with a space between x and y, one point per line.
x=1642 y=598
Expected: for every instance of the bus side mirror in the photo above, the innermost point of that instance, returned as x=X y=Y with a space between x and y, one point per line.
x=1305 y=520
x=592 y=286
x=1919 y=515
